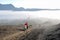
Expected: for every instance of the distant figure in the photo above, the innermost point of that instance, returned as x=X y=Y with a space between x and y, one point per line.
x=26 y=25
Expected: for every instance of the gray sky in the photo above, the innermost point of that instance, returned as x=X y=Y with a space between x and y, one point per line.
x=53 y=4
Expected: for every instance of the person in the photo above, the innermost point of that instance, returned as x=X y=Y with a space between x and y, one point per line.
x=26 y=25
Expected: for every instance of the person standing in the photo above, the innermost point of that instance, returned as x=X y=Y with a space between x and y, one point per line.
x=26 y=25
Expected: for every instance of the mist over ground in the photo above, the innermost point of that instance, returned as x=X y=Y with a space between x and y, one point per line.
x=14 y=17
x=45 y=24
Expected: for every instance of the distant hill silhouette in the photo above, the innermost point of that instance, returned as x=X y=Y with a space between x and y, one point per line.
x=6 y=7
x=11 y=7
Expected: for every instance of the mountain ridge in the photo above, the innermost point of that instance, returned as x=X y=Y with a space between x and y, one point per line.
x=11 y=7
